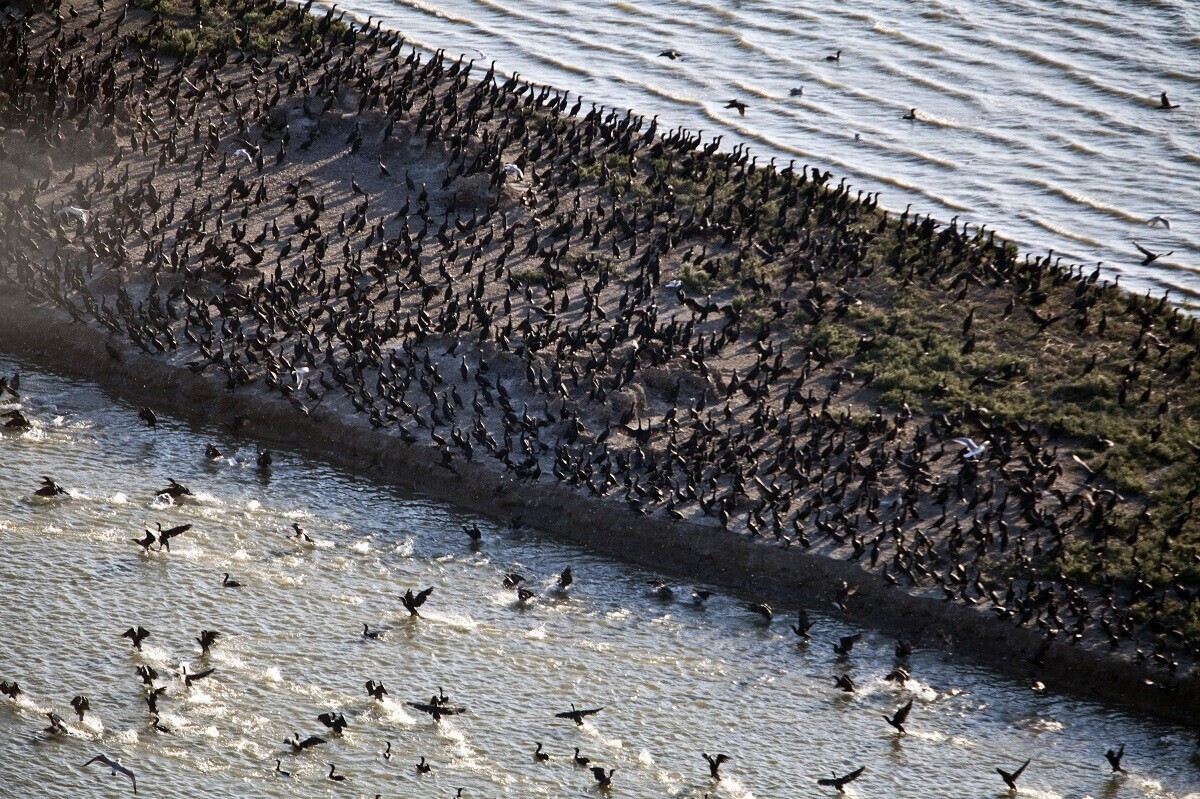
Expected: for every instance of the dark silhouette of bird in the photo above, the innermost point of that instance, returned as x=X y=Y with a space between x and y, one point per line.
x=57 y=727
x=375 y=690
x=603 y=780
x=333 y=776
x=845 y=683
x=671 y=54
x=714 y=764
x=1114 y=759
x=847 y=642
x=189 y=677
x=841 y=782
x=565 y=579
x=911 y=115
x=174 y=490
x=207 y=639
x=136 y=635
x=308 y=743
x=761 y=608
x=413 y=601
x=738 y=105
x=81 y=705
x=228 y=582
x=803 y=624
x=423 y=767
x=1010 y=779
x=279 y=772
x=577 y=716
x=334 y=721
x=165 y=536
x=1150 y=257
x=538 y=754
x=50 y=489
x=835 y=57
x=900 y=716
x=473 y=532
x=147 y=416
x=1165 y=102
x=436 y=710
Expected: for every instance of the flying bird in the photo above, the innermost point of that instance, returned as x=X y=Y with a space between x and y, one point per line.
x=841 y=782
x=577 y=716
x=413 y=601
x=900 y=716
x=1011 y=779
x=115 y=765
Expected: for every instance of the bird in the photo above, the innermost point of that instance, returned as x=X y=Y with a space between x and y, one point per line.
x=375 y=690
x=334 y=721
x=436 y=710
x=1011 y=779
x=738 y=105
x=1114 y=759
x=602 y=779
x=577 y=716
x=714 y=764
x=227 y=582
x=49 y=489
x=156 y=723
x=206 y=639
x=513 y=580
x=115 y=765
x=81 y=705
x=387 y=751
x=1150 y=257
x=579 y=759
x=539 y=755
x=332 y=776
x=473 y=532
x=188 y=678
x=847 y=642
x=803 y=624
x=370 y=634
x=796 y=91
x=565 y=579
x=83 y=216
x=56 y=725
x=423 y=767
x=835 y=57
x=147 y=416
x=413 y=601
x=761 y=608
x=136 y=635
x=513 y=171
x=10 y=689
x=897 y=720
x=911 y=115
x=308 y=743
x=971 y=449
x=1159 y=219
x=174 y=490
x=841 y=782
x=671 y=54
x=1165 y=102
x=165 y=536
x=279 y=772
x=845 y=682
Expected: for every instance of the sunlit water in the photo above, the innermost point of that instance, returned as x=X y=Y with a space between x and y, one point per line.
x=1037 y=118
x=674 y=679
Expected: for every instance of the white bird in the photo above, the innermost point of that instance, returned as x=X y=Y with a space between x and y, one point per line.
x=300 y=374
x=513 y=171
x=674 y=284
x=77 y=213
x=242 y=152
x=115 y=765
x=1159 y=219
x=973 y=450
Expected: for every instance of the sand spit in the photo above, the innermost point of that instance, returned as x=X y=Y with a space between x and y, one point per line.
x=629 y=337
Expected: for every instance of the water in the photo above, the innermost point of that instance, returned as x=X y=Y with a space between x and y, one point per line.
x=1037 y=118
x=674 y=679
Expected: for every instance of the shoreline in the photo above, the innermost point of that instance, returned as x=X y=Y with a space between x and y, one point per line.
x=734 y=562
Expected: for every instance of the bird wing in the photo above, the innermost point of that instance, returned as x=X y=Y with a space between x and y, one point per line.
x=174 y=531
x=598 y=773
x=424 y=708
x=966 y=442
x=1142 y=249
x=420 y=598
x=312 y=740
x=1017 y=773
x=902 y=713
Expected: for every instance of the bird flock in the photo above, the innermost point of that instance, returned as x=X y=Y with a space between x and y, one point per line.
x=487 y=269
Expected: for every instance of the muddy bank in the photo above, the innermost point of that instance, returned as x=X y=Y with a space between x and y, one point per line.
x=750 y=568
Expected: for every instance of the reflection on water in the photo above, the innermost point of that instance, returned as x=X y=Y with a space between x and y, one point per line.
x=675 y=678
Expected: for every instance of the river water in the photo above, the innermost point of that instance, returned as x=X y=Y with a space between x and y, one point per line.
x=1038 y=118
x=675 y=678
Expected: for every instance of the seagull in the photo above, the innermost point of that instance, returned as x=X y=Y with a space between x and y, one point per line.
x=671 y=54
x=1151 y=257
x=1011 y=779
x=1159 y=219
x=115 y=765
x=513 y=171
x=577 y=716
x=83 y=216
x=737 y=104
x=841 y=782
x=1165 y=102
x=242 y=152
x=973 y=450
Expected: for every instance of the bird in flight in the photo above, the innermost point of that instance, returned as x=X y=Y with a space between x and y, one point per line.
x=714 y=764
x=1114 y=759
x=900 y=717
x=115 y=765
x=1011 y=779
x=841 y=782
x=972 y=450
x=577 y=716
x=413 y=601
x=738 y=105
x=1150 y=257
x=671 y=54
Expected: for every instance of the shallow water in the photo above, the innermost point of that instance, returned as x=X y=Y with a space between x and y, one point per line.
x=674 y=679
x=1037 y=118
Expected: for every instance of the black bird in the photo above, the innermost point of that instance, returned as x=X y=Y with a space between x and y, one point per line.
x=81 y=705
x=206 y=639
x=188 y=679
x=841 y=782
x=372 y=634
x=835 y=57
x=226 y=582
x=565 y=579
x=671 y=54
x=147 y=416
x=761 y=608
x=279 y=772
x=387 y=751
x=1151 y=257
x=473 y=532
x=714 y=764
x=602 y=779
x=308 y=743
x=56 y=725
x=538 y=754
x=898 y=719
x=737 y=104
x=174 y=490
x=911 y=115
x=413 y=601
x=136 y=635
x=10 y=689
x=146 y=541
x=1165 y=102
x=847 y=642
x=903 y=648
x=49 y=489
x=375 y=690
x=332 y=776
x=513 y=580
x=577 y=716
x=1011 y=779
x=802 y=625
x=436 y=710
x=1114 y=759
x=579 y=759
x=156 y=723
x=423 y=767
x=165 y=536
x=334 y=721
x=845 y=683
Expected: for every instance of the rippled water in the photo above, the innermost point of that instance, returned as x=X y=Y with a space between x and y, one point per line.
x=1037 y=118
x=675 y=679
